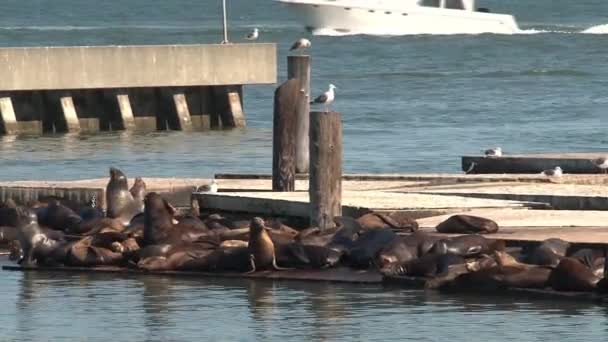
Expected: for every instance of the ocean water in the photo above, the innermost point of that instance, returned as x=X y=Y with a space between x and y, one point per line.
x=411 y=103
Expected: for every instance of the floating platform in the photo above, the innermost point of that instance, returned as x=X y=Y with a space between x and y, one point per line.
x=532 y=163
x=339 y=274
x=176 y=190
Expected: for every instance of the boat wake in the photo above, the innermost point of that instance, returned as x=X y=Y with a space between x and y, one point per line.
x=599 y=29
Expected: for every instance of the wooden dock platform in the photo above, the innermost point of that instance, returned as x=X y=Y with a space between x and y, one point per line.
x=580 y=163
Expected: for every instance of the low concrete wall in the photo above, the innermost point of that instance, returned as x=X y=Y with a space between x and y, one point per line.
x=90 y=67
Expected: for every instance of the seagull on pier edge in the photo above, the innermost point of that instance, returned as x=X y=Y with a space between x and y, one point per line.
x=301 y=45
x=209 y=188
x=493 y=152
x=253 y=35
x=556 y=172
x=602 y=163
x=326 y=98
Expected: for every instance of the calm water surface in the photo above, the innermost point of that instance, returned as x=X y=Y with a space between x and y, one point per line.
x=409 y=104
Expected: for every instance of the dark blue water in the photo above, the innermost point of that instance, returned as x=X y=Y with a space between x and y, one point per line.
x=409 y=104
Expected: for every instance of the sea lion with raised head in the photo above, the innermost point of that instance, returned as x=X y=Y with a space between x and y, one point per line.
x=119 y=200
x=261 y=248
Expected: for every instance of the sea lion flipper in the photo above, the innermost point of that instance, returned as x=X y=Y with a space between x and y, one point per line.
x=277 y=268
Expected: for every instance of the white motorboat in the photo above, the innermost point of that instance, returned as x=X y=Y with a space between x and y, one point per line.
x=399 y=17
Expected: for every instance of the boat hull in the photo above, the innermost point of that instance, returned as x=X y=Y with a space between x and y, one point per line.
x=340 y=19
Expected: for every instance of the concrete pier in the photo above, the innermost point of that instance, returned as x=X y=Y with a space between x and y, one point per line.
x=92 y=88
x=532 y=163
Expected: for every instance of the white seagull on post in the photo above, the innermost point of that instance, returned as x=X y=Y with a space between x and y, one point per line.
x=326 y=98
x=300 y=45
x=253 y=35
x=493 y=152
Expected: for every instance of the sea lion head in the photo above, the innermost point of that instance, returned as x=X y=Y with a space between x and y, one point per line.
x=118 y=176
x=257 y=225
x=504 y=259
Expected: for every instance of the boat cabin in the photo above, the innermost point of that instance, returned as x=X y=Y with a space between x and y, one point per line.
x=468 y=5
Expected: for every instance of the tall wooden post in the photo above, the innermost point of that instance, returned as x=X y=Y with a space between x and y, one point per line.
x=325 y=184
x=283 y=136
x=299 y=67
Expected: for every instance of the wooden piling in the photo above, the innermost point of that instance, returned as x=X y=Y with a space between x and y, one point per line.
x=286 y=99
x=325 y=185
x=7 y=116
x=298 y=67
x=69 y=113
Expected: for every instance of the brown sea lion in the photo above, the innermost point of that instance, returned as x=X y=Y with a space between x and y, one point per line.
x=138 y=190
x=84 y=254
x=261 y=247
x=548 y=253
x=571 y=275
x=429 y=265
x=467 y=224
x=377 y=220
x=119 y=200
x=159 y=227
x=59 y=217
x=406 y=248
x=592 y=258
x=297 y=255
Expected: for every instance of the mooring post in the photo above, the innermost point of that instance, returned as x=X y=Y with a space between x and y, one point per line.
x=286 y=99
x=7 y=115
x=298 y=67
x=325 y=183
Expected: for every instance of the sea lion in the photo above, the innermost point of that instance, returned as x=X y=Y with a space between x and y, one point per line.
x=90 y=211
x=592 y=258
x=406 y=248
x=467 y=224
x=571 y=275
x=36 y=246
x=119 y=200
x=138 y=190
x=261 y=247
x=368 y=245
x=83 y=254
x=467 y=245
x=8 y=214
x=237 y=259
x=548 y=253
x=298 y=255
x=159 y=227
x=59 y=217
x=7 y=234
x=429 y=265
x=376 y=220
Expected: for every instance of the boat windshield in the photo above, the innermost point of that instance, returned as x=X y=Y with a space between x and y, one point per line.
x=451 y=4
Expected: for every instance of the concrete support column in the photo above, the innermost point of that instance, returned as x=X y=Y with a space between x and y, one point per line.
x=125 y=110
x=229 y=106
x=7 y=115
x=69 y=113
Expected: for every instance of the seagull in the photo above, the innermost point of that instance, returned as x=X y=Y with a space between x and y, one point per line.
x=326 y=98
x=253 y=35
x=557 y=172
x=602 y=163
x=209 y=188
x=493 y=152
x=301 y=45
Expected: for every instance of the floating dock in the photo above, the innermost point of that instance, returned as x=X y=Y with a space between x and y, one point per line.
x=578 y=163
x=145 y=87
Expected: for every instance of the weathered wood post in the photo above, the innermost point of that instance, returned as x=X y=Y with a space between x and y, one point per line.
x=325 y=184
x=298 y=67
x=286 y=99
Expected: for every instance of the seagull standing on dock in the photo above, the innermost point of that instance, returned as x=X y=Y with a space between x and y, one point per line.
x=326 y=98
x=301 y=45
x=209 y=188
x=602 y=163
x=556 y=172
x=253 y=35
x=493 y=152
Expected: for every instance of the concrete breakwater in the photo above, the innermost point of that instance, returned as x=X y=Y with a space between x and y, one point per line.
x=156 y=87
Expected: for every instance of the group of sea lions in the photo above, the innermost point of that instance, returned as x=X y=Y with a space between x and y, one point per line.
x=143 y=230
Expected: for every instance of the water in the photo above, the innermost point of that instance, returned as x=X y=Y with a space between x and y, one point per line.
x=409 y=104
